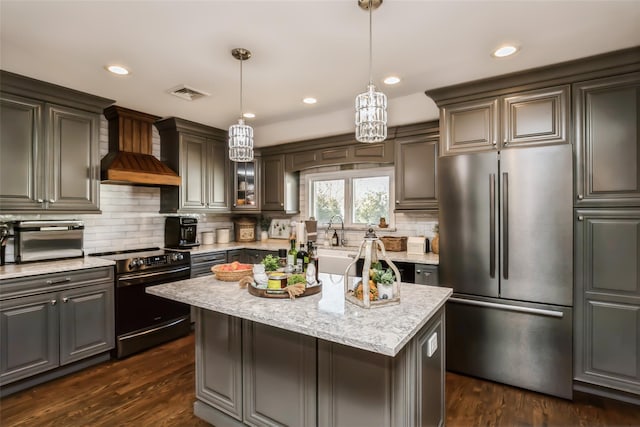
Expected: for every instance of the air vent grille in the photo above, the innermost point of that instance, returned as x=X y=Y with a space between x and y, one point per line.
x=188 y=93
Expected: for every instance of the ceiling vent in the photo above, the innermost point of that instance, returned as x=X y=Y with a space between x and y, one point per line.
x=188 y=93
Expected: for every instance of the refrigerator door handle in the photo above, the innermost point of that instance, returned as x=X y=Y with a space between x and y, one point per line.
x=516 y=308
x=505 y=227
x=492 y=225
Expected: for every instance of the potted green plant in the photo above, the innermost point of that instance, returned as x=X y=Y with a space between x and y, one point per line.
x=265 y=223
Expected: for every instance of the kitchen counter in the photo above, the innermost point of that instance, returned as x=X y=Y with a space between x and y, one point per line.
x=366 y=329
x=13 y=271
x=275 y=244
x=262 y=361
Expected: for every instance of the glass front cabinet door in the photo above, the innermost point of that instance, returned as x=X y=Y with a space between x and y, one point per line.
x=246 y=186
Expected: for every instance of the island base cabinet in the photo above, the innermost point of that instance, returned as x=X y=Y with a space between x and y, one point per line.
x=249 y=373
x=360 y=388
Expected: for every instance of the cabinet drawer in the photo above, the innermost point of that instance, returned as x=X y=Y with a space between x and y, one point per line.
x=55 y=281
x=208 y=257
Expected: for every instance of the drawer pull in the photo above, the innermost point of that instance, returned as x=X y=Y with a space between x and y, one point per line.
x=55 y=282
x=53 y=302
x=65 y=299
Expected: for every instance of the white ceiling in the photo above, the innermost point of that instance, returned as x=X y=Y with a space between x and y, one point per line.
x=300 y=48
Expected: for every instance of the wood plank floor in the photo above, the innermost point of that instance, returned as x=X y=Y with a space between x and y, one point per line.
x=156 y=388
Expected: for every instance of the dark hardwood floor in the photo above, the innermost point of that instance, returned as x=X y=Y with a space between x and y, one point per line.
x=156 y=388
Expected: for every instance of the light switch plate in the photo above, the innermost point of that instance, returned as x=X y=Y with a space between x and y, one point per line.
x=432 y=344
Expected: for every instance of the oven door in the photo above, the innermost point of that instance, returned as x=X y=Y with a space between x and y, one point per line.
x=136 y=309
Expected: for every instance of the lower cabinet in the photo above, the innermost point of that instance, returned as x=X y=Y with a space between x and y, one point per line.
x=201 y=263
x=249 y=256
x=41 y=330
x=607 y=301
x=249 y=373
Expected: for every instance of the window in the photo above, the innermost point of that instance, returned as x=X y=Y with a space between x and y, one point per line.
x=361 y=197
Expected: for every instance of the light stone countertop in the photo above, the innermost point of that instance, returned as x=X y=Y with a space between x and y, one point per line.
x=275 y=244
x=13 y=271
x=384 y=330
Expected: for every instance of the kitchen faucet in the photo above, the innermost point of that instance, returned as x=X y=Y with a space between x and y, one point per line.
x=343 y=241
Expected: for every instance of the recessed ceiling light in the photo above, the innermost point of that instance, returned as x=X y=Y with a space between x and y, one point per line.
x=249 y=115
x=391 y=80
x=503 y=51
x=309 y=100
x=118 y=69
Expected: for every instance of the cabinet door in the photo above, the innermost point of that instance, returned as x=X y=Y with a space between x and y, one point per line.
x=416 y=174
x=219 y=361
x=21 y=154
x=273 y=183
x=236 y=255
x=217 y=177
x=608 y=141
x=245 y=186
x=279 y=376
x=607 y=298
x=28 y=336
x=469 y=127
x=193 y=169
x=73 y=159
x=86 y=322
x=535 y=117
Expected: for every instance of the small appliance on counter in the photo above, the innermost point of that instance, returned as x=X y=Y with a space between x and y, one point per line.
x=181 y=232
x=4 y=236
x=48 y=240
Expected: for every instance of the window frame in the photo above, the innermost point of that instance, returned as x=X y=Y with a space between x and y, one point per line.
x=348 y=176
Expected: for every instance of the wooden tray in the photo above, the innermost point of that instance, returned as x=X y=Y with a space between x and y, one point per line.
x=281 y=293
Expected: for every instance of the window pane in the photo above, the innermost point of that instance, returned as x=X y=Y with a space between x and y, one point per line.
x=328 y=199
x=370 y=199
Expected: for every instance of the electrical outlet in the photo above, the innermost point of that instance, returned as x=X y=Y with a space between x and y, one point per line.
x=432 y=344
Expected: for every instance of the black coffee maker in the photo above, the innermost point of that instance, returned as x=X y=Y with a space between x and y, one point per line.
x=181 y=232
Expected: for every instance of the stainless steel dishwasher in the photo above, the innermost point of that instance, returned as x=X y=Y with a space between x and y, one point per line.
x=426 y=274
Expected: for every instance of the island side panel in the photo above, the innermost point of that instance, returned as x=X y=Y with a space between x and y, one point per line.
x=219 y=362
x=279 y=376
x=430 y=372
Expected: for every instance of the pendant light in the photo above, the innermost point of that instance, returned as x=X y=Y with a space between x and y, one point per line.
x=371 y=106
x=241 y=135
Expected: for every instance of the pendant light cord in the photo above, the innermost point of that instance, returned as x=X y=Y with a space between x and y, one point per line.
x=241 y=60
x=370 y=45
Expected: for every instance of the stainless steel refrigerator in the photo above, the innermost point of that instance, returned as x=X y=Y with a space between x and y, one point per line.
x=506 y=249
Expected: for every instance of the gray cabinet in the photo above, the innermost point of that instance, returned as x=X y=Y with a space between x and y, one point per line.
x=279 y=189
x=236 y=255
x=255 y=256
x=49 y=147
x=607 y=298
x=416 y=178
x=199 y=154
x=54 y=320
x=201 y=263
x=279 y=376
x=339 y=150
x=246 y=186
x=426 y=274
x=219 y=362
x=608 y=141
x=523 y=118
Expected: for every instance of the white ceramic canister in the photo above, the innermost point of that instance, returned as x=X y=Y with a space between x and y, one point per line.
x=207 y=237
x=222 y=235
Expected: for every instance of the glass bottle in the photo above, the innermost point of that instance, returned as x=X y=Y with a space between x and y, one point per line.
x=335 y=240
x=291 y=255
x=313 y=258
x=302 y=259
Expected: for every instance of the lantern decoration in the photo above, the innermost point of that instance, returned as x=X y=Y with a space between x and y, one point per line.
x=378 y=287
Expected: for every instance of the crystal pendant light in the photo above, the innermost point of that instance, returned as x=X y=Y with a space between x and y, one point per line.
x=371 y=106
x=241 y=135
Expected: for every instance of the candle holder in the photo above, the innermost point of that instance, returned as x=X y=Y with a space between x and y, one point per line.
x=377 y=287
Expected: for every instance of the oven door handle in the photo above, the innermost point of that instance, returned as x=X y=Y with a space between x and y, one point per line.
x=138 y=276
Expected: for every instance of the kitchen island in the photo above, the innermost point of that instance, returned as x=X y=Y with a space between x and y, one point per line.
x=263 y=361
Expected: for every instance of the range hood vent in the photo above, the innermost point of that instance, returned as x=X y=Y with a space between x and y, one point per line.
x=188 y=93
x=129 y=160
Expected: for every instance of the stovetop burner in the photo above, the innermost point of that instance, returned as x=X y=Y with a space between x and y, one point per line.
x=131 y=260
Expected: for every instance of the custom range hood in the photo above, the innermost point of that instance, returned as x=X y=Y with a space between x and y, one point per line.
x=130 y=160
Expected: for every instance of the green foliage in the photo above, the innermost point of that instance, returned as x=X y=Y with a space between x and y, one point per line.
x=265 y=223
x=371 y=207
x=296 y=278
x=384 y=277
x=270 y=263
x=326 y=206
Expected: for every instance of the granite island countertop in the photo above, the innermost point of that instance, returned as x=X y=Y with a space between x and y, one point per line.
x=13 y=271
x=383 y=330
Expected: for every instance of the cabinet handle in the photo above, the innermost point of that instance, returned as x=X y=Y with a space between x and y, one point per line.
x=51 y=200
x=580 y=197
x=202 y=203
x=234 y=205
x=65 y=299
x=580 y=218
x=281 y=204
x=55 y=282
x=397 y=201
x=53 y=302
x=40 y=201
x=494 y=141
x=418 y=271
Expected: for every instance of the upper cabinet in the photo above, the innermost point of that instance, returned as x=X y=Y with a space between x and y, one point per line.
x=416 y=159
x=246 y=190
x=337 y=150
x=521 y=118
x=280 y=189
x=199 y=154
x=607 y=141
x=49 y=147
